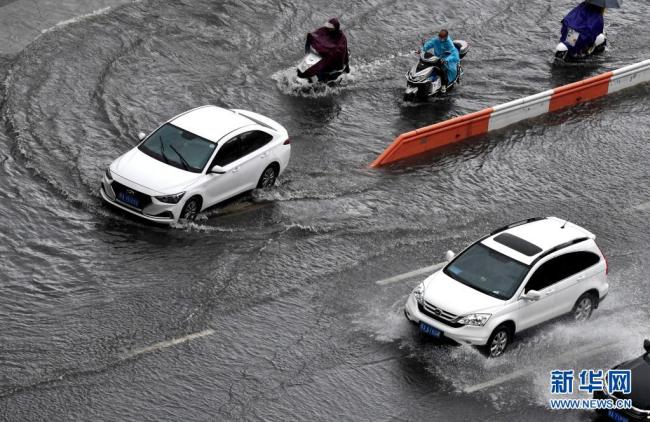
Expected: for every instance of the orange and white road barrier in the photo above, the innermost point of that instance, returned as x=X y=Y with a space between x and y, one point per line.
x=428 y=138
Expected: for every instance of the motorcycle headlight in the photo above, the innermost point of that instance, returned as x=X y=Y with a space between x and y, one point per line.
x=418 y=293
x=170 y=199
x=109 y=176
x=477 y=320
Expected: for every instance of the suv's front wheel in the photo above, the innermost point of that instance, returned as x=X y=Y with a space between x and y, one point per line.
x=498 y=341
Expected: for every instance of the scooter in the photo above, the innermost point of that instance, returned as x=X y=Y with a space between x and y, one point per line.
x=562 y=54
x=311 y=59
x=422 y=80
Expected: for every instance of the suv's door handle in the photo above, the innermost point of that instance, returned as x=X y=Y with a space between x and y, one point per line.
x=235 y=170
x=266 y=154
x=550 y=292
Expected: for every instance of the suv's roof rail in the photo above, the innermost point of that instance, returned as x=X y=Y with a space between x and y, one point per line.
x=558 y=247
x=518 y=223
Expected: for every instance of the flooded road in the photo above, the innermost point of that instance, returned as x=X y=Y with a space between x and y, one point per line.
x=267 y=308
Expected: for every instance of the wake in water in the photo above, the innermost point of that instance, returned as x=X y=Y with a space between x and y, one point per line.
x=374 y=71
x=289 y=83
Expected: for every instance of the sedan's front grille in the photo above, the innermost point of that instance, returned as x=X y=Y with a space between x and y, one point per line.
x=439 y=315
x=130 y=197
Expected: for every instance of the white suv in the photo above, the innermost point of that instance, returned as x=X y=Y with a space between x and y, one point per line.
x=519 y=276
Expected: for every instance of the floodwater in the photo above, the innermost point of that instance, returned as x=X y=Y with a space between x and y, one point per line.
x=277 y=290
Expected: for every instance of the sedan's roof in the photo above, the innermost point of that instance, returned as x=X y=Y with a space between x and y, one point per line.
x=211 y=122
x=640 y=368
x=526 y=242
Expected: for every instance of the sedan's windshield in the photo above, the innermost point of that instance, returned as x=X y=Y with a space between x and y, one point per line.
x=487 y=271
x=178 y=148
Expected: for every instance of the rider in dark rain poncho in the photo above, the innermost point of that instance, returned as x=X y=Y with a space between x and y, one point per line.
x=581 y=27
x=330 y=43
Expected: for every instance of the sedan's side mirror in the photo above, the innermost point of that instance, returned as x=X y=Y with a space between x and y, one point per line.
x=141 y=135
x=449 y=255
x=532 y=295
x=646 y=345
x=217 y=170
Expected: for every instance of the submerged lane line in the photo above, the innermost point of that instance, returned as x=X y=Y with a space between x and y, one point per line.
x=582 y=352
x=410 y=274
x=167 y=343
x=642 y=207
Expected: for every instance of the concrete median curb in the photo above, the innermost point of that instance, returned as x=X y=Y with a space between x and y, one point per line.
x=454 y=130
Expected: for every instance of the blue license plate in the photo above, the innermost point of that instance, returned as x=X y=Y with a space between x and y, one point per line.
x=427 y=329
x=128 y=199
x=615 y=416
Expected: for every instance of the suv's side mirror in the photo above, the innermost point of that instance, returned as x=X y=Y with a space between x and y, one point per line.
x=141 y=135
x=646 y=345
x=449 y=255
x=217 y=170
x=532 y=295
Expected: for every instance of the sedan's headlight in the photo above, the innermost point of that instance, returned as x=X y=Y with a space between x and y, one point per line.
x=418 y=293
x=108 y=173
x=478 y=320
x=170 y=199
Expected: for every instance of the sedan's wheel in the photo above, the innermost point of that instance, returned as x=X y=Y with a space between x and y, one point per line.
x=584 y=307
x=191 y=209
x=267 y=180
x=498 y=342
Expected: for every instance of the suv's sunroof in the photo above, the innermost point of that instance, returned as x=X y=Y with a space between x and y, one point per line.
x=518 y=244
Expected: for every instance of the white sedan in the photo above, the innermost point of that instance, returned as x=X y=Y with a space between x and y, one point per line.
x=195 y=160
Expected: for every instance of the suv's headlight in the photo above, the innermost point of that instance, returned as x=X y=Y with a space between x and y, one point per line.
x=109 y=175
x=170 y=199
x=418 y=293
x=478 y=320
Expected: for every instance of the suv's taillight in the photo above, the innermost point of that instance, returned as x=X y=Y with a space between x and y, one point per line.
x=287 y=141
x=605 y=258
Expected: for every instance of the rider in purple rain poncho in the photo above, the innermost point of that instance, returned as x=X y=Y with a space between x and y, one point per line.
x=443 y=47
x=331 y=44
x=587 y=20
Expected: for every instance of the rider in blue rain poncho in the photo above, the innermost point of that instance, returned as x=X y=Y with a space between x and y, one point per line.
x=443 y=47
x=586 y=22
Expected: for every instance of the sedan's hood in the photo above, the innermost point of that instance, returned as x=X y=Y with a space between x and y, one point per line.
x=640 y=396
x=146 y=171
x=448 y=294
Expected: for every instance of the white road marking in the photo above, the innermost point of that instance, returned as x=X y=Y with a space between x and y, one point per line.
x=411 y=274
x=643 y=207
x=168 y=343
x=581 y=352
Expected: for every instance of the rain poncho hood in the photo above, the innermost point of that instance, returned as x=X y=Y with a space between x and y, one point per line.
x=331 y=44
x=588 y=21
x=445 y=50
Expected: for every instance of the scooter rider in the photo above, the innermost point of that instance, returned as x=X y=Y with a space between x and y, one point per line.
x=444 y=48
x=581 y=26
x=332 y=45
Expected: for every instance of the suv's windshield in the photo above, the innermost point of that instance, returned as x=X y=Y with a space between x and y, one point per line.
x=487 y=271
x=178 y=148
